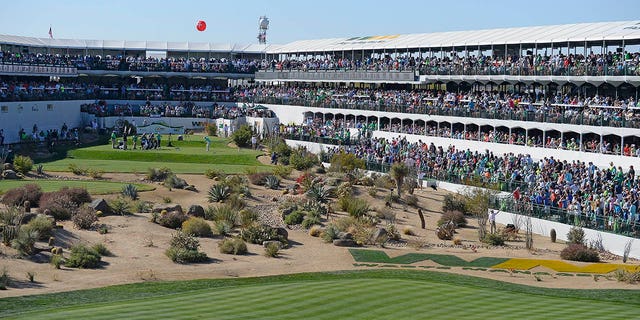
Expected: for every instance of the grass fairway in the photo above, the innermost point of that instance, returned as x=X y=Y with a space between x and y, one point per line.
x=375 y=294
x=94 y=187
x=183 y=157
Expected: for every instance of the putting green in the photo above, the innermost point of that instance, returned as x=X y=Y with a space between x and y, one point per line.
x=380 y=294
x=182 y=157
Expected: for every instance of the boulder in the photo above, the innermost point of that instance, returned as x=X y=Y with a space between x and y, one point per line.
x=100 y=205
x=196 y=211
x=159 y=207
x=344 y=243
x=191 y=188
x=379 y=235
x=7 y=166
x=266 y=243
x=283 y=233
x=180 y=183
x=10 y=174
x=345 y=236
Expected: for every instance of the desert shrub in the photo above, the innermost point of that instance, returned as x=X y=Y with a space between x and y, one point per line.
x=454 y=202
x=223 y=228
x=101 y=249
x=166 y=199
x=130 y=191
x=493 y=239
x=280 y=147
x=282 y=171
x=315 y=231
x=83 y=257
x=77 y=195
x=271 y=250
x=236 y=202
x=183 y=248
x=25 y=241
x=22 y=164
x=56 y=260
x=120 y=206
x=158 y=174
x=294 y=217
x=579 y=252
x=372 y=191
x=343 y=203
x=242 y=136
x=456 y=216
x=214 y=173
x=233 y=246
x=238 y=184
x=78 y=171
x=258 y=178
x=457 y=241
x=58 y=205
x=84 y=218
x=197 y=227
x=358 y=207
x=272 y=182
x=40 y=224
x=258 y=233
x=366 y=181
x=411 y=200
x=173 y=181
x=575 y=236
x=302 y=159
x=247 y=217
x=345 y=189
x=17 y=196
x=346 y=162
x=392 y=197
x=141 y=206
x=224 y=213
x=218 y=193
x=172 y=220
x=211 y=129
x=95 y=173
x=310 y=220
x=408 y=231
x=384 y=182
x=4 y=278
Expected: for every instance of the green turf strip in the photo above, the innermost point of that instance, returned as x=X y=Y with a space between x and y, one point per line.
x=371 y=294
x=94 y=187
x=378 y=256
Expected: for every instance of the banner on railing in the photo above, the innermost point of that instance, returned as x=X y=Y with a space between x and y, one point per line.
x=49 y=70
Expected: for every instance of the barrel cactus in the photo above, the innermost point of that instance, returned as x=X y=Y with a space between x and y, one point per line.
x=552 y=234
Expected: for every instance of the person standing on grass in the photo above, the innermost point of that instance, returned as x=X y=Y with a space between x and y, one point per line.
x=207 y=140
x=135 y=140
x=254 y=142
x=113 y=139
x=158 y=137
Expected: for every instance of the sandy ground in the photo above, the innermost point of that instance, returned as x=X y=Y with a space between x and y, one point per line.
x=139 y=245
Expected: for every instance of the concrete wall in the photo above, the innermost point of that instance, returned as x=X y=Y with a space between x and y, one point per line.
x=45 y=114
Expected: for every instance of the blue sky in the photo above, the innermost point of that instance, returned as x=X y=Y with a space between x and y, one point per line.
x=236 y=21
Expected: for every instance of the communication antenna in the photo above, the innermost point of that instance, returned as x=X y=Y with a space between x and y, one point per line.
x=263 y=26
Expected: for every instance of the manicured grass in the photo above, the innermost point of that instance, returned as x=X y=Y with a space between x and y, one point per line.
x=182 y=157
x=94 y=187
x=371 y=294
x=378 y=256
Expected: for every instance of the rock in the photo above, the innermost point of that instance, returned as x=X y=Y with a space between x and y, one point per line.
x=268 y=242
x=196 y=211
x=344 y=243
x=191 y=188
x=179 y=183
x=7 y=166
x=345 y=236
x=274 y=199
x=379 y=235
x=10 y=174
x=100 y=205
x=159 y=207
x=334 y=182
x=283 y=233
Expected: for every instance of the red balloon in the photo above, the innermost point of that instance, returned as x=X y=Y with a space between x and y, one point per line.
x=201 y=25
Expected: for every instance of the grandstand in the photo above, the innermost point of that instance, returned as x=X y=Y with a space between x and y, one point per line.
x=567 y=92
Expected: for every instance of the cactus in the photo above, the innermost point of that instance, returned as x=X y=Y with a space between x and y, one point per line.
x=130 y=191
x=272 y=182
x=27 y=206
x=9 y=233
x=51 y=240
x=218 y=193
x=552 y=234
